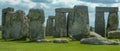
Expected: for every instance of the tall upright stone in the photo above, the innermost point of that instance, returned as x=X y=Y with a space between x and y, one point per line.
x=25 y=27
x=100 y=23
x=80 y=27
x=37 y=18
x=113 y=21
x=70 y=21
x=8 y=25
x=5 y=34
x=60 y=23
x=50 y=27
x=17 y=25
x=112 y=24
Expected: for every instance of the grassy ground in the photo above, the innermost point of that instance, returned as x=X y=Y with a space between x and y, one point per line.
x=71 y=46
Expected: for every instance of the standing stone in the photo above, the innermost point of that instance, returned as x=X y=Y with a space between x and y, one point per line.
x=80 y=27
x=60 y=23
x=37 y=18
x=70 y=21
x=100 y=23
x=25 y=27
x=113 y=21
x=8 y=25
x=50 y=26
x=5 y=33
x=17 y=25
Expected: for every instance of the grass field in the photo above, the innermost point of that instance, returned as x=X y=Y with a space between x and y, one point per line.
x=71 y=46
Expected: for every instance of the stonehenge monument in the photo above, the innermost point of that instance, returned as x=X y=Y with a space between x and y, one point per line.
x=50 y=27
x=70 y=21
x=14 y=24
x=100 y=21
x=112 y=21
x=80 y=27
x=6 y=25
x=17 y=24
x=67 y=22
x=61 y=21
x=37 y=18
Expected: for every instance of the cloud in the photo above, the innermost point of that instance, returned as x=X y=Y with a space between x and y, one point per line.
x=42 y=1
x=102 y=1
x=17 y=4
x=13 y=2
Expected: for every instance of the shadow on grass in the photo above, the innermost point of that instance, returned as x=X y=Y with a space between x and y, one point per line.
x=14 y=41
x=18 y=41
x=28 y=41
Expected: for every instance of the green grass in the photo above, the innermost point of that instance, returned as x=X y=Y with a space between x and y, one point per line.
x=71 y=46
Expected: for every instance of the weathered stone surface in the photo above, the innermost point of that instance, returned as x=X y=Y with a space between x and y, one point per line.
x=97 y=39
x=37 y=18
x=60 y=24
x=25 y=27
x=5 y=32
x=70 y=21
x=114 y=34
x=60 y=41
x=100 y=23
x=61 y=21
x=8 y=25
x=113 y=21
x=80 y=27
x=107 y=9
x=44 y=40
x=93 y=34
x=65 y=10
x=50 y=27
x=17 y=25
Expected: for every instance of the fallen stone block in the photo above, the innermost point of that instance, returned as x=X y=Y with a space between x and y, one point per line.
x=114 y=34
x=60 y=41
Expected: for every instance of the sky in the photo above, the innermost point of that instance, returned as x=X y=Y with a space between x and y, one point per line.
x=50 y=5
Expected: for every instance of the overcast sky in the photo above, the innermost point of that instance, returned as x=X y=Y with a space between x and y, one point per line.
x=50 y=5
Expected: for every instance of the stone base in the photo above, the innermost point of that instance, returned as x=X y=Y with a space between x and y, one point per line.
x=98 y=41
x=60 y=41
x=78 y=37
x=114 y=34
